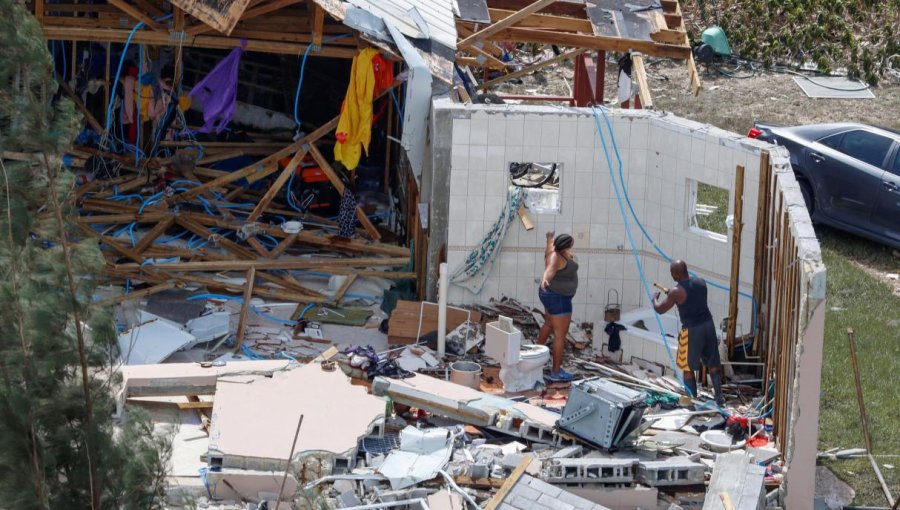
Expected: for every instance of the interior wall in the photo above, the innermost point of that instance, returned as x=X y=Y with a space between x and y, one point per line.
x=659 y=153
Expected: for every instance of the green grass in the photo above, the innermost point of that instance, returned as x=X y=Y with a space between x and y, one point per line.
x=862 y=302
x=718 y=198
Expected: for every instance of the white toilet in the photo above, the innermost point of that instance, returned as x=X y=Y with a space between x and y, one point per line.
x=521 y=366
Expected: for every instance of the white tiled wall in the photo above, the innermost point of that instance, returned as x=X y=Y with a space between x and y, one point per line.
x=658 y=154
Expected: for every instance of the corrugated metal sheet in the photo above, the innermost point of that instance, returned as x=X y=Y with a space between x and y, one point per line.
x=438 y=14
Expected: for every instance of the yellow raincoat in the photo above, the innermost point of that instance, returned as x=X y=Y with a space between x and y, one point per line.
x=354 y=129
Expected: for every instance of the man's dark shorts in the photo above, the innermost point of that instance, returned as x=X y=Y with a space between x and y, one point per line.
x=698 y=344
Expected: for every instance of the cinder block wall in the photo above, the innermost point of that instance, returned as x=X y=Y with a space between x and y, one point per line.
x=659 y=155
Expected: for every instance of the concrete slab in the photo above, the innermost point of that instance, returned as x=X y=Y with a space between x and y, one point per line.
x=256 y=421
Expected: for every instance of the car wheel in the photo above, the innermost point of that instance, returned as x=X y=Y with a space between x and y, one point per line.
x=806 y=191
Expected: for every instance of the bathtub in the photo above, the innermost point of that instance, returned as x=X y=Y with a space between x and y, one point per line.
x=642 y=340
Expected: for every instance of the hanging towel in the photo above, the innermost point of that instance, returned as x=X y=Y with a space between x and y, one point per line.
x=354 y=129
x=474 y=270
x=347 y=215
x=217 y=92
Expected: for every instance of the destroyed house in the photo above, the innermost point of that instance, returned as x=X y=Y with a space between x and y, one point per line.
x=324 y=201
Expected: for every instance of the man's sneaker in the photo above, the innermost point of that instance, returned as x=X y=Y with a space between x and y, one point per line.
x=561 y=376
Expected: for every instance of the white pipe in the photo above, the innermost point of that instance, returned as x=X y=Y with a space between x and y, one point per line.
x=442 y=311
x=457 y=488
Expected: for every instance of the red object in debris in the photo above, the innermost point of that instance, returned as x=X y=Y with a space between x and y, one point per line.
x=421 y=414
x=754 y=133
x=758 y=441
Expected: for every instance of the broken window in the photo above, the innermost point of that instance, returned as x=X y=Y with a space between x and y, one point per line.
x=708 y=210
x=541 y=180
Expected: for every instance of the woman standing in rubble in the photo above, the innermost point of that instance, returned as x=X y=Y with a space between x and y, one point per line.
x=558 y=285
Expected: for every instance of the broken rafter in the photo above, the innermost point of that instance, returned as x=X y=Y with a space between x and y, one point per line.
x=532 y=68
x=640 y=76
x=339 y=186
x=594 y=42
x=245 y=308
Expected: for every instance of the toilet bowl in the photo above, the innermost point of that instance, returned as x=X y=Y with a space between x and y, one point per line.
x=521 y=366
x=528 y=372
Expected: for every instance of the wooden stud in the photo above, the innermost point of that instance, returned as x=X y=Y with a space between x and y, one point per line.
x=276 y=186
x=248 y=14
x=245 y=308
x=547 y=21
x=256 y=245
x=339 y=295
x=262 y=168
x=283 y=245
x=194 y=405
x=108 y=86
x=640 y=76
x=321 y=264
x=92 y=121
x=200 y=41
x=523 y=216
x=158 y=230
x=759 y=252
x=594 y=42
x=532 y=68
x=136 y=13
x=506 y=22
x=318 y=22
x=736 y=233
x=138 y=294
x=339 y=186
x=39 y=11
x=205 y=233
x=508 y=485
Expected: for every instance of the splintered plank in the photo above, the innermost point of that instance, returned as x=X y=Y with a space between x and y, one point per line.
x=221 y=15
x=339 y=186
x=245 y=308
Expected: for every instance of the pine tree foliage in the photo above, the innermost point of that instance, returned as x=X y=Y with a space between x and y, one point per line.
x=59 y=446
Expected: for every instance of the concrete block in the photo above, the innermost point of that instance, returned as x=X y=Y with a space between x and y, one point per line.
x=525 y=491
x=591 y=470
x=669 y=472
x=544 y=487
x=568 y=452
x=554 y=503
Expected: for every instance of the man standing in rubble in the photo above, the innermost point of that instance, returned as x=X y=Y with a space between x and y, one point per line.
x=697 y=342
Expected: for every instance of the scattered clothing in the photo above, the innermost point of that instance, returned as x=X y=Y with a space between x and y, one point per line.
x=354 y=129
x=217 y=92
x=384 y=73
x=347 y=215
x=615 y=340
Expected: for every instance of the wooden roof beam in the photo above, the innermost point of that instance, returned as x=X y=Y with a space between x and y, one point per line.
x=200 y=41
x=137 y=14
x=562 y=23
x=505 y=22
x=248 y=14
x=592 y=42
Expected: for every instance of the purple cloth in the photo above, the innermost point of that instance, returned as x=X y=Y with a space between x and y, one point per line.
x=217 y=92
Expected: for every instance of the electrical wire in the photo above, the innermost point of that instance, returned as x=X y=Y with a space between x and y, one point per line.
x=650 y=239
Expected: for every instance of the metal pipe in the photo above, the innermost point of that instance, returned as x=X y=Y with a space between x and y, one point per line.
x=392 y=504
x=457 y=488
x=442 y=312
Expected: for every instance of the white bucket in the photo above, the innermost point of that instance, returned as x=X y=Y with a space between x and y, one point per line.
x=466 y=373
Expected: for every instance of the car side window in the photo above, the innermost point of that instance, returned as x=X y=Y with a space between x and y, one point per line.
x=833 y=141
x=865 y=146
x=895 y=169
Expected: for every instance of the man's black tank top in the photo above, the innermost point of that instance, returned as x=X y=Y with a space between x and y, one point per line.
x=694 y=311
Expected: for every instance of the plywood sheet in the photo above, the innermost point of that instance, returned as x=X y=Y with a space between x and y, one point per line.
x=259 y=419
x=222 y=15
